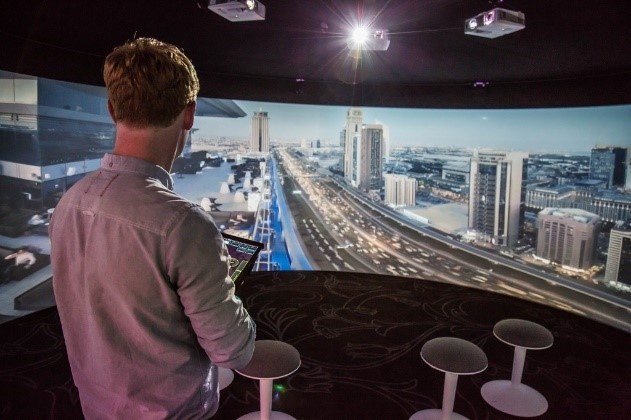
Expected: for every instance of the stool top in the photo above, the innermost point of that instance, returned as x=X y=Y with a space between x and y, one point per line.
x=522 y=333
x=271 y=360
x=454 y=355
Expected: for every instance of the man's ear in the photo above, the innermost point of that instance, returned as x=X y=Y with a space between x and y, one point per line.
x=110 y=109
x=189 y=116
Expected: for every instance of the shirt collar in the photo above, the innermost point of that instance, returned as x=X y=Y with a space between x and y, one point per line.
x=120 y=163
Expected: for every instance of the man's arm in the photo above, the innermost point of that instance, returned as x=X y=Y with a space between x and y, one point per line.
x=197 y=264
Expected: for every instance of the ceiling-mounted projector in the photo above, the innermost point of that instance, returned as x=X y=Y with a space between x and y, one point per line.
x=238 y=10
x=495 y=23
x=375 y=40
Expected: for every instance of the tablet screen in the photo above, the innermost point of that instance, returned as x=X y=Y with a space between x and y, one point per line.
x=243 y=253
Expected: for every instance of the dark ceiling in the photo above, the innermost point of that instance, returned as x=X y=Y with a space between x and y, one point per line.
x=571 y=53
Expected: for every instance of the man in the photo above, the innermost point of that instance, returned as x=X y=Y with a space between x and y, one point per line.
x=140 y=274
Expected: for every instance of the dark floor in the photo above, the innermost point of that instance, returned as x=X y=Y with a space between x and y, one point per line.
x=359 y=336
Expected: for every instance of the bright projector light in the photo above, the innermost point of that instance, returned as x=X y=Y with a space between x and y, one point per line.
x=359 y=35
x=369 y=40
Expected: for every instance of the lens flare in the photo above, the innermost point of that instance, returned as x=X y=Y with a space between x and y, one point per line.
x=359 y=35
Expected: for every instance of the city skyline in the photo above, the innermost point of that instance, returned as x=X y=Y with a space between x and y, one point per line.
x=553 y=130
x=330 y=229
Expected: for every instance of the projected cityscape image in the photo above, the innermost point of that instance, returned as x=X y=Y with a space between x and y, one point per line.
x=534 y=203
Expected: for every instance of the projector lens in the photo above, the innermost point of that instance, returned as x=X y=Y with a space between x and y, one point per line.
x=489 y=17
x=473 y=24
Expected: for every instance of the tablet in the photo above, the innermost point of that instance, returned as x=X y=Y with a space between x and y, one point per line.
x=243 y=253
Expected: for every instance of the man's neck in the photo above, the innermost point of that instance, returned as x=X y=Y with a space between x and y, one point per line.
x=155 y=145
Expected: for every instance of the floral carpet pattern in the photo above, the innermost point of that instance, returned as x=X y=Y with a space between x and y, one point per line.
x=359 y=336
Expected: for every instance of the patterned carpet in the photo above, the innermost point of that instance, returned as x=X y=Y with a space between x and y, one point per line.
x=359 y=336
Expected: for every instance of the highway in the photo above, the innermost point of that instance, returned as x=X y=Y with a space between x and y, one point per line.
x=344 y=230
x=495 y=258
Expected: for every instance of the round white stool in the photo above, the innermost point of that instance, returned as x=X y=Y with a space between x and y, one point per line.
x=453 y=356
x=225 y=377
x=271 y=360
x=513 y=397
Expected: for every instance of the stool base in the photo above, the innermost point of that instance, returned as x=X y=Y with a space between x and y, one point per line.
x=275 y=415
x=435 y=414
x=516 y=399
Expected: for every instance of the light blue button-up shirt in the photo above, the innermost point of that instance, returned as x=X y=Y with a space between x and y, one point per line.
x=141 y=282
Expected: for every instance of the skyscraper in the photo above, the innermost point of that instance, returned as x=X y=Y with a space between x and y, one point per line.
x=371 y=157
x=609 y=164
x=567 y=237
x=259 y=141
x=354 y=120
x=400 y=190
x=386 y=143
x=627 y=183
x=619 y=254
x=497 y=195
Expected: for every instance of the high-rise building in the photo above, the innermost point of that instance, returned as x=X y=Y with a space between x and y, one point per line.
x=609 y=164
x=497 y=195
x=259 y=141
x=567 y=237
x=52 y=133
x=619 y=254
x=400 y=190
x=352 y=139
x=371 y=157
x=386 y=143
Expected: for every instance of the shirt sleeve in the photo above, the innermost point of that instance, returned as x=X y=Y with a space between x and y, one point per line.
x=197 y=265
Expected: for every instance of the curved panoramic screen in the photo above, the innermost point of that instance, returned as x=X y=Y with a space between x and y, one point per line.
x=535 y=203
